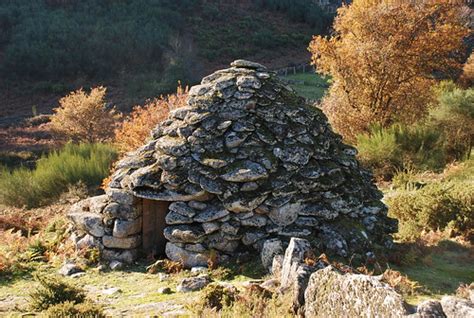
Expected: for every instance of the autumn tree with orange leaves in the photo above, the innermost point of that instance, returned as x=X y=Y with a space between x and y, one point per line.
x=134 y=130
x=383 y=58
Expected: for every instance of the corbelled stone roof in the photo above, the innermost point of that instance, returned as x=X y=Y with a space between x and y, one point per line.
x=247 y=159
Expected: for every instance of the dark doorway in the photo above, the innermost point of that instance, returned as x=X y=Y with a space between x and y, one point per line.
x=154 y=213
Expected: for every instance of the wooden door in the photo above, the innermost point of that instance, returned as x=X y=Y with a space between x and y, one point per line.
x=154 y=213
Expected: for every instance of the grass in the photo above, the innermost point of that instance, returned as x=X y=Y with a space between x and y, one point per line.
x=440 y=272
x=54 y=173
x=138 y=289
x=309 y=85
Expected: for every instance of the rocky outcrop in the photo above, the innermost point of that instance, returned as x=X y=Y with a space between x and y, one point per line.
x=245 y=161
x=333 y=294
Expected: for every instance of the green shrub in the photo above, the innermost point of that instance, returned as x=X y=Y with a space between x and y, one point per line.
x=454 y=115
x=70 y=309
x=437 y=206
x=54 y=291
x=398 y=147
x=54 y=173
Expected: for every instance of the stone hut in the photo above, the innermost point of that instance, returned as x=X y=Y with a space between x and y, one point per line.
x=245 y=161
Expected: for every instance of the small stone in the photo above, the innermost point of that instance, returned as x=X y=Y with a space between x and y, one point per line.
x=87 y=242
x=120 y=196
x=185 y=209
x=162 y=277
x=256 y=220
x=295 y=254
x=124 y=228
x=89 y=222
x=245 y=171
x=78 y=275
x=430 y=309
x=270 y=249
x=210 y=227
x=197 y=205
x=176 y=218
x=69 y=268
x=249 y=186
x=233 y=139
x=111 y=291
x=188 y=259
x=211 y=215
x=126 y=256
x=164 y=290
x=184 y=233
x=250 y=238
x=454 y=307
x=224 y=125
x=193 y=283
x=199 y=270
x=247 y=64
x=122 y=243
x=277 y=264
x=286 y=214
x=248 y=82
x=116 y=265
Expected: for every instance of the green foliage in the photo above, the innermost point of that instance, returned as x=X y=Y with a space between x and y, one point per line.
x=54 y=291
x=217 y=296
x=454 y=114
x=54 y=173
x=436 y=206
x=387 y=150
x=70 y=309
x=300 y=11
x=93 y=38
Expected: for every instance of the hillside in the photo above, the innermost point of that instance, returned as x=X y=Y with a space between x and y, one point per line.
x=139 y=49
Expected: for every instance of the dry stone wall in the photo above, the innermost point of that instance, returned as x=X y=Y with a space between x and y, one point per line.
x=247 y=160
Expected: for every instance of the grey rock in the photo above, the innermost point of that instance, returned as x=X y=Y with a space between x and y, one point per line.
x=296 y=155
x=91 y=223
x=176 y=218
x=69 y=269
x=211 y=214
x=277 y=264
x=248 y=82
x=185 y=209
x=286 y=214
x=256 y=220
x=197 y=205
x=121 y=242
x=124 y=228
x=198 y=248
x=270 y=249
x=210 y=227
x=126 y=256
x=302 y=275
x=430 y=309
x=188 y=259
x=233 y=139
x=199 y=270
x=455 y=307
x=249 y=186
x=121 y=211
x=296 y=252
x=331 y=294
x=250 y=238
x=184 y=234
x=87 y=242
x=247 y=64
x=98 y=203
x=120 y=196
x=164 y=290
x=193 y=283
x=245 y=171
x=116 y=265
x=243 y=204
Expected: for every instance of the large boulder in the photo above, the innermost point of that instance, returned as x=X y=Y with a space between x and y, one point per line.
x=455 y=307
x=333 y=294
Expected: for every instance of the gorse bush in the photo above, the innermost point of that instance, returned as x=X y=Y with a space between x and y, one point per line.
x=436 y=206
x=70 y=309
x=54 y=173
x=84 y=117
x=54 y=291
x=387 y=150
x=454 y=115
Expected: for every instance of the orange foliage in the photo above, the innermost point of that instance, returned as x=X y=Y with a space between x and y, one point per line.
x=135 y=129
x=84 y=117
x=467 y=77
x=382 y=58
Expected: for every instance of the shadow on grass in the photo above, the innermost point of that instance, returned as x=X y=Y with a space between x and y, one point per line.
x=439 y=269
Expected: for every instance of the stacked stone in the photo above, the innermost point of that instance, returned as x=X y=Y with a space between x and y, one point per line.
x=111 y=222
x=247 y=160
